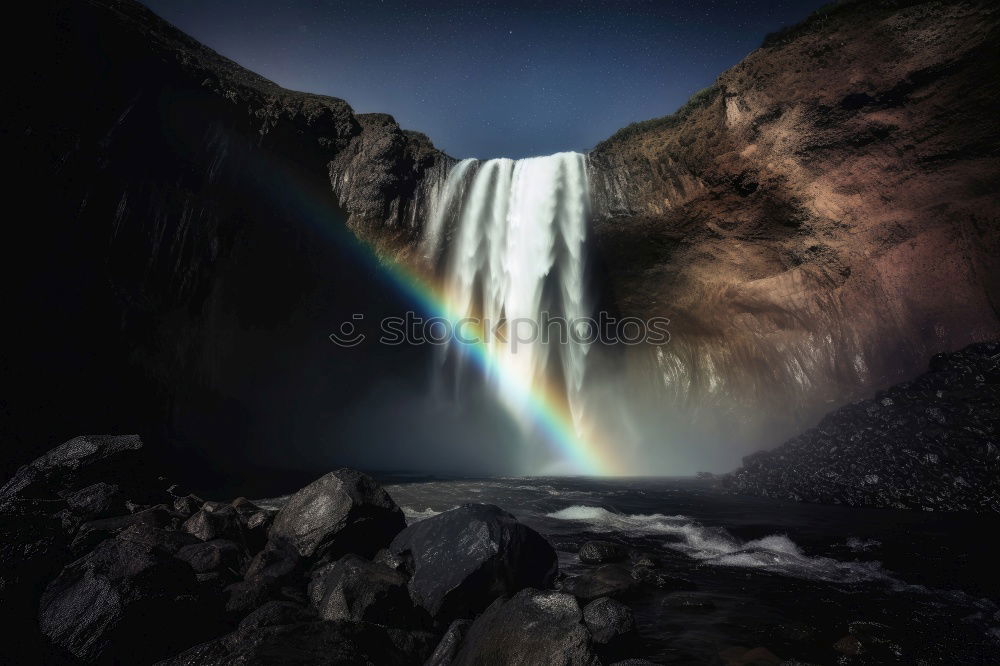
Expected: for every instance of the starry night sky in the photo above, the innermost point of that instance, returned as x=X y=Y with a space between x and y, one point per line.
x=488 y=78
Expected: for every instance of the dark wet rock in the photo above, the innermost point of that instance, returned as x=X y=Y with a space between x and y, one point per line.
x=279 y=559
x=353 y=588
x=33 y=548
x=647 y=561
x=634 y=662
x=188 y=505
x=274 y=614
x=68 y=520
x=343 y=512
x=602 y=552
x=219 y=524
x=389 y=559
x=267 y=575
x=465 y=558
x=97 y=500
x=305 y=643
x=929 y=444
x=103 y=606
x=36 y=508
x=532 y=627
x=608 y=619
x=73 y=465
x=608 y=580
x=92 y=532
x=260 y=521
x=660 y=580
x=164 y=541
x=447 y=647
x=215 y=555
x=848 y=645
x=417 y=644
x=244 y=596
x=244 y=507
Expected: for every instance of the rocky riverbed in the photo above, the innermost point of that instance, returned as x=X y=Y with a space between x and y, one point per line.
x=105 y=562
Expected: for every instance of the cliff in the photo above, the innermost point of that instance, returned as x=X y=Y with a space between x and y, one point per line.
x=181 y=255
x=822 y=219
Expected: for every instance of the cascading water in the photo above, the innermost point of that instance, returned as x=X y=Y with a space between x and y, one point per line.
x=510 y=238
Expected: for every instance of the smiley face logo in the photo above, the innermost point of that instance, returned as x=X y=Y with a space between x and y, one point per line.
x=348 y=335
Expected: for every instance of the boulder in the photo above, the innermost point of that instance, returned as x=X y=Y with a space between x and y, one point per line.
x=343 y=512
x=244 y=507
x=218 y=524
x=92 y=532
x=608 y=580
x=222 y=555
x=447 y=647
x=274 y=614
x=97 y=500
x=268 y=573
x=128 y=601
x=465 y=558
x=164 y=541
x=80 y=462
x=650 y=577
x=279 y=560
x=608 y=619
x=248 y=594
x=602 y=552
x=532 y=627
x=353 y=588
x=188 y=505
x=387 y=558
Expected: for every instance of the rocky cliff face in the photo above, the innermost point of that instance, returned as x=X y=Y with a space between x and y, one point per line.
x=184 y=247
x=822 y=219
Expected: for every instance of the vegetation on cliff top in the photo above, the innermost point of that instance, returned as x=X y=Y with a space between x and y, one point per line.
x=700 y=99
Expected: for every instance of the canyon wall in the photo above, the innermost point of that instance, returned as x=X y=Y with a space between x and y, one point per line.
x=816 y=225
x=179 y=257
x=821 y=220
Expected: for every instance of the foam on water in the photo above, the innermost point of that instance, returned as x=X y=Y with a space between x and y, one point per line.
x=416 y=515
x=715 y=546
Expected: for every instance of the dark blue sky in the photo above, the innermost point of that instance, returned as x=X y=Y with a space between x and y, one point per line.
x=491 y=78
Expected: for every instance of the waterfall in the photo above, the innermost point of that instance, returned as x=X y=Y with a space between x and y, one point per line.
x=509 y=240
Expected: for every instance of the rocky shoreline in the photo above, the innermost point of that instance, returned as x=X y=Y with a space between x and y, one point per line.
x=105 y=562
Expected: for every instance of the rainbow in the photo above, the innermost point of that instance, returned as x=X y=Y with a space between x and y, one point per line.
x=546 y=406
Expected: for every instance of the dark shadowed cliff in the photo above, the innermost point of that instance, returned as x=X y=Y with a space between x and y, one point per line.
x=180 y=255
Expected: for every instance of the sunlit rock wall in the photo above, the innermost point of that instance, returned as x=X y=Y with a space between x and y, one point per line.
x=818 y=222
